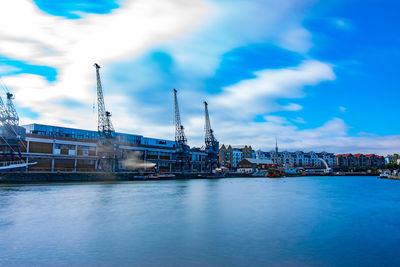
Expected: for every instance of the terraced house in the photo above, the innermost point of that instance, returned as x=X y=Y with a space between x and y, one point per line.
x=359 y=160
x=299 y=158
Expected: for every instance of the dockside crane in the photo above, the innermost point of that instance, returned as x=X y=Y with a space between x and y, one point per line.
x=107 y=144
x=182 y=150
x=212 y=145
x=12 y=136
x=104 y=124
x=12 y=117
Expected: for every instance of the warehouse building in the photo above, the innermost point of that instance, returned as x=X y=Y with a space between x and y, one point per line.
x=67 y=149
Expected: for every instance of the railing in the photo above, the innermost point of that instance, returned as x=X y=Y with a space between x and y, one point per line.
x=9 y=163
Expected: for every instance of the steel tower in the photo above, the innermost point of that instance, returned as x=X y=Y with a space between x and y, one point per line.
x=107 y=144
x=104 y=124
x=11 y=134
x=276 y=152
x=182 y=150
x=212 y=145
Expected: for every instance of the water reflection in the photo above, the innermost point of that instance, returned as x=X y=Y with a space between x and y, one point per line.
x=235 y=222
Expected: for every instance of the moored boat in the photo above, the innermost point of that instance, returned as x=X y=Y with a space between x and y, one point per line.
x=275 y=173
x=385 y=174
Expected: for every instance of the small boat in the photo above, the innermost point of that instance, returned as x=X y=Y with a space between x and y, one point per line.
x=385 y=174
x=275 y=173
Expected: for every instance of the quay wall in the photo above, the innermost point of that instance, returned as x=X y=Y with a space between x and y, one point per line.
x=38 y=177
x=29 y=177
x=44 y=177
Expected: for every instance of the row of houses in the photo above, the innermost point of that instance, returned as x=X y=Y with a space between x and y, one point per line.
x=299 y=158
x=230 y=156
x=360 y=160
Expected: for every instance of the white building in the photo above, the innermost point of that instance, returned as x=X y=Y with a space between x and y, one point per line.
x=237 y=156
x=299 y=158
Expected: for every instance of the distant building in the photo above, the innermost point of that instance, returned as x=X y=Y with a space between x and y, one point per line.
x=250 y=165
x=226 y=156
x=392 y=159
x=359 y=160
x=299 y=158
x=237 y=156
x=198 y=159
x=389 y=159
x=230 y=156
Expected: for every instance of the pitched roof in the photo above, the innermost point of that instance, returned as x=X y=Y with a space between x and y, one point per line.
x=259 y=161
x=343 y=155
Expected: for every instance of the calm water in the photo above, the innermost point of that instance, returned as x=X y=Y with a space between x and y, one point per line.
x=341 y=221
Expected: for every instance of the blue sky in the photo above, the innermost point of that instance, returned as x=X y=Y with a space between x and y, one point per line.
x=320 y=75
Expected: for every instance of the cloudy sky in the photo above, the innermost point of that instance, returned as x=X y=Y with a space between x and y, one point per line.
x=320 y=75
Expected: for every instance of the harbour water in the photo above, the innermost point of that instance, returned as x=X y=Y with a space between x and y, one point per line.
x=306 y=221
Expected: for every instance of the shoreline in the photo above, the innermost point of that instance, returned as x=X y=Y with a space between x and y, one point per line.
x=33 y=177
x=38 y=177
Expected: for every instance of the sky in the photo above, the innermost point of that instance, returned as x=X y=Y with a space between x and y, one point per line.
x=319 y=75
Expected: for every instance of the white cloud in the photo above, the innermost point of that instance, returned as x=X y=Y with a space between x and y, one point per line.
x=342 y=109
x=293 y=107
x=258 y=95
x=72 y=46
x=332 y=136
x=233 y=24
x=299 y=120
x=342 y=23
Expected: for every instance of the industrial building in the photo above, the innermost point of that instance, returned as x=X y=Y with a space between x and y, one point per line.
x=67 y=149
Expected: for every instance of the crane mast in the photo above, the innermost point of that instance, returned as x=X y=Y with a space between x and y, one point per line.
x=104 y=124
x=276 y=152
x=180 y=137
x=107 y=147
x=212 y=145
x=182 y=150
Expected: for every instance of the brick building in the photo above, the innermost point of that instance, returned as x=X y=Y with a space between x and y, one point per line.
x=230 y=156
